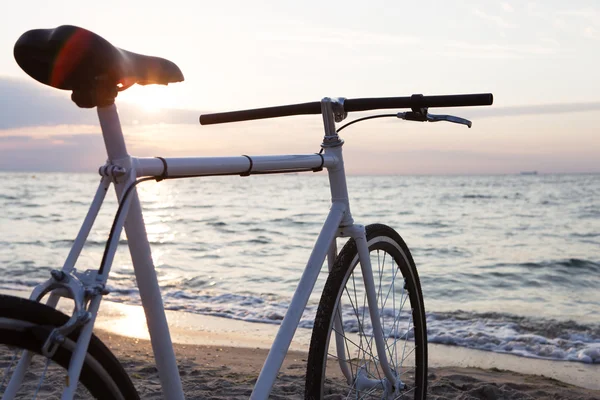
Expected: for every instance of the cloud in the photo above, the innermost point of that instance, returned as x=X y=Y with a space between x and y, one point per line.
x=499 y=21
x=444 y=162
x=507 y=7
x=496 y=51
x=576 y=22
x=14 y=139
x=29 y=104
x=341 y=37
x=538 y=109
x=591 y=33
x=85 y=153
x=30 y=108
x=591 y=14
x=81 y=152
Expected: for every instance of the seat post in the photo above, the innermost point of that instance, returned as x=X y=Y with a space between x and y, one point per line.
x=112 y=132
x=141 y=256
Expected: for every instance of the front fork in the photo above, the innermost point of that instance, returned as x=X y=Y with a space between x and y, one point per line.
x=392 y=382
x=332 y=111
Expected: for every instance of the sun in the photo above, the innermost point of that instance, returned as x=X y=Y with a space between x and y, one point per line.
x=150 y=99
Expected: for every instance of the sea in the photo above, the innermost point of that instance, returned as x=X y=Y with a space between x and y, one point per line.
x=508 y=263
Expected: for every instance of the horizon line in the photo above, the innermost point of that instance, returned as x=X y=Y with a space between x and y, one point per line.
x=516 y=173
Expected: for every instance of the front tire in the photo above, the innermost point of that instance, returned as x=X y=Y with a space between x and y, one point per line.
x=343 y=315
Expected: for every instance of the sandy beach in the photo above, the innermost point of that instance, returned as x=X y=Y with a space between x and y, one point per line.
x=221 y=372
x=220 y=359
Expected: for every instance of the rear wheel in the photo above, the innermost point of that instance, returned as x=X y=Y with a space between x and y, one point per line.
x=25 y=325
x=343 y=361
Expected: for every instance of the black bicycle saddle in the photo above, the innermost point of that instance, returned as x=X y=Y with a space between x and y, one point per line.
x=73 y=58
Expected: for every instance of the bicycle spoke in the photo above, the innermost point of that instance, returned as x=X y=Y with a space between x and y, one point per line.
x=397 y=317
x=334 y=357
x=359 y=347
x=391 y=286
x=409 y=353
x=405 y=393
x=9 y=368
x=406 y=339
x=345 y=341
x=403 y=301
x=379 y=289
x=42 y=376
x=41 y=379
x=369 y=340
x=403 y=349
x=394 y=309
x=385 y=301
x=396 y=295
x=361 y=325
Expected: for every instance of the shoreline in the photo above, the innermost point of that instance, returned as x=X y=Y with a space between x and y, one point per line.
x=189 y=329
x=221 y=358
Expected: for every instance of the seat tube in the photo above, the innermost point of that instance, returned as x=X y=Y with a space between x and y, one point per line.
x=143 y=265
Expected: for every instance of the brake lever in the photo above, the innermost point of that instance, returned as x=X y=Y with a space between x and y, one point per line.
x=412 y=116
x=449 y=118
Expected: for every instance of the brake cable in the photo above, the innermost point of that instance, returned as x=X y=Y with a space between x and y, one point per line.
x=366 y=118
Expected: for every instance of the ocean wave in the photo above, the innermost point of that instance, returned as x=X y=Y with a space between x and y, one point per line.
x=496 y=332
x=431 y=224
x=217 y=223
x=563 y=266
x=529 y=282
x=517 y=335
x=477 y=196
x=442 y=251
x=249 y=308
x=291 y=222
x=586 y=235
x=98 y=243
x=259 y=240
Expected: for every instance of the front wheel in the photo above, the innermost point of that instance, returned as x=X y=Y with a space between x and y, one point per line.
x=343 y=361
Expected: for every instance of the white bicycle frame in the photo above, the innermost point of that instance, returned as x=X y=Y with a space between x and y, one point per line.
x=122 y=170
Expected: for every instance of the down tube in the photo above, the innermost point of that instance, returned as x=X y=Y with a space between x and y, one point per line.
x=290 y=322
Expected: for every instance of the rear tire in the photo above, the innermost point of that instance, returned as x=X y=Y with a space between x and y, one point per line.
x=25 y=325
x=402 y=315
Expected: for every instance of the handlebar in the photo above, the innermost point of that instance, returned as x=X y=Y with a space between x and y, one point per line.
x=352 y=105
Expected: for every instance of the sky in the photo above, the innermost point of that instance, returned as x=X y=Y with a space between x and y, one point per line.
x=540 y=59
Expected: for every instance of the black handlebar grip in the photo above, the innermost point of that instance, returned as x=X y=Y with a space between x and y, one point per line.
x=261 y=113
x=418 y=101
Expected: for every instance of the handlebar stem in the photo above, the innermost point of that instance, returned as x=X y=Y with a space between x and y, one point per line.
x=330 y=110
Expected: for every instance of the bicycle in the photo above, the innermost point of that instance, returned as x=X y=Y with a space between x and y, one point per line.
x=380 y=342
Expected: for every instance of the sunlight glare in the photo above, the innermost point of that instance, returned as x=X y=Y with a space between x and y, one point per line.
x=125 y=320
x=151 y=98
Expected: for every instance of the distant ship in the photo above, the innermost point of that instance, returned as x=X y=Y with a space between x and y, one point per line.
x=528 y=173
